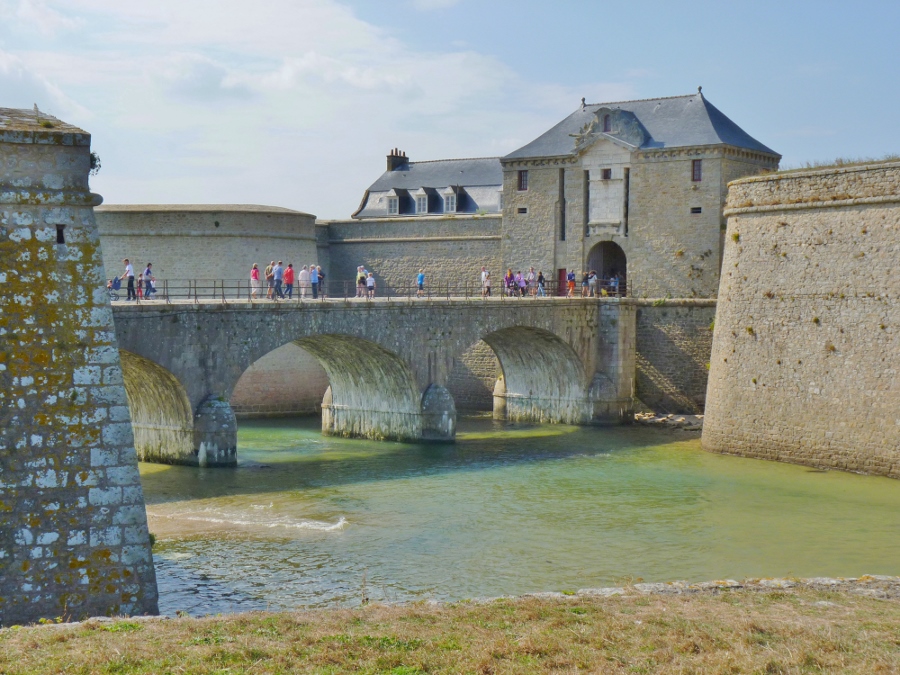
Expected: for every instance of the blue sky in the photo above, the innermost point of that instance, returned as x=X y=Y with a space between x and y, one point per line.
x=295 y=102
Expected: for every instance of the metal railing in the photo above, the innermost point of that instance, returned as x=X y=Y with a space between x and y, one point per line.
x=243 y=290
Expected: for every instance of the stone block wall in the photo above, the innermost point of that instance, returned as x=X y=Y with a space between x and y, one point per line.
x=472 y=379
x=449 y=249
x=806 y=348
x=674 y=342
x=209 y=242
x=74 y=540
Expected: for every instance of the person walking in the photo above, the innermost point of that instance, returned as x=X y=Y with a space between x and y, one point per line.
x=270 y=279
x=321 y=275
x=361 y=284
x=486 y=285
x=370 y=286
x=509 y=281
x=570 y=285
x=303 y=280
x=420 y=284
x=592 y=284
x=278 y=275
x=520 y=284
x=531 y=280
x=541 y=283
x=148 y=275
x=314 y=281
x=484 y=276
x=254 y=281
x=289 y=281
x=129 y=276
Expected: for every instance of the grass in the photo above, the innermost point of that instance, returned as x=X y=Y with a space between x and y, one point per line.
x=840 y=162
x=793 y=631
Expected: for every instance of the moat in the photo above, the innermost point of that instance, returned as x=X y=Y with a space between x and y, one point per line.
x=312 y=521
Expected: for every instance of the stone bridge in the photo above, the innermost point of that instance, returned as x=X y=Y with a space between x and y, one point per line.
x=562 y=361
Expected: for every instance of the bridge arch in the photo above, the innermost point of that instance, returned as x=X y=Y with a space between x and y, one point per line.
x=372 y=392
x=161 y=414
x=542 y=377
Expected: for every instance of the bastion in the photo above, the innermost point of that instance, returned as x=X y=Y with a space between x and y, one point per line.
x=74 y=539
x=806 y=348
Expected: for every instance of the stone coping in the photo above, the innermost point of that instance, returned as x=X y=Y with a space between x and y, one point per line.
x=869 y=585
x=199 y=208
x=823 y=171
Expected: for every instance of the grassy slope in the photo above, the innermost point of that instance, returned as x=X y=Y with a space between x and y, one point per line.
x=797 y=631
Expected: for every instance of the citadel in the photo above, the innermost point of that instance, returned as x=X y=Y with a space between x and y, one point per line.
x=766 y=299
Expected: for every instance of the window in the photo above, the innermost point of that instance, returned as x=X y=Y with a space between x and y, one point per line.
x=60 y=234
x=606 y=174
x=697 y=170
x=449 y=203
x=696 y=209
x=393 y=206
x=523 y=209
x=523 y=180
x=422 y=204
x=607 y=124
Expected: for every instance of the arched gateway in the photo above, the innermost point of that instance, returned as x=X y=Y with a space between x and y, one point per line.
x=387 y=362
x=608 y=259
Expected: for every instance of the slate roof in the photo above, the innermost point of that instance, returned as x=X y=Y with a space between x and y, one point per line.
x=441 y=173
x=673 y=122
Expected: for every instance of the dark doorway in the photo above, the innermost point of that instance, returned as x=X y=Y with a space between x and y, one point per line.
x=607 y=259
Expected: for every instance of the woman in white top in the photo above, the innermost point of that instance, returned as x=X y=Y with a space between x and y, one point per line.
x=303 y=282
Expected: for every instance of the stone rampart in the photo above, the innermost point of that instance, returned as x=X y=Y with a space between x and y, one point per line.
x=197 y=241
x=806 y=347
x=74 y=539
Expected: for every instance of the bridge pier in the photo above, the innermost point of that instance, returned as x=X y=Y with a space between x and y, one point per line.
x=215 y=434
x=438 y=415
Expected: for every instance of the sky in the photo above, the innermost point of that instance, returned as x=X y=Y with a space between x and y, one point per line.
x=295 y=103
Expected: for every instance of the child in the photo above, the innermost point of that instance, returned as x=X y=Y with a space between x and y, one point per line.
x=370 y=286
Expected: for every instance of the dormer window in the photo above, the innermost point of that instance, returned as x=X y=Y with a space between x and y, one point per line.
x=607 y=124
x=393 y=206
x=450 y=203
x=421 y=203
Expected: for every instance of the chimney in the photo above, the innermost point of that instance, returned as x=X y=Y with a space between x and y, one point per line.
x=396 y=159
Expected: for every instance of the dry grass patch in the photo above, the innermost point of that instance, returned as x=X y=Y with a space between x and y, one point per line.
x=796 y=631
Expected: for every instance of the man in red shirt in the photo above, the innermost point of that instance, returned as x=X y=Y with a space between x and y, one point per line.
x=289 y=281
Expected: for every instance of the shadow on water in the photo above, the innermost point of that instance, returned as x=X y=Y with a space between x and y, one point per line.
x=290 y=453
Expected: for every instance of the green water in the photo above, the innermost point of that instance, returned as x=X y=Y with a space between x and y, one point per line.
x=506 y=510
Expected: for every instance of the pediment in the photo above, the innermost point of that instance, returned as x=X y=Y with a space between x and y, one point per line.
x=624 y=130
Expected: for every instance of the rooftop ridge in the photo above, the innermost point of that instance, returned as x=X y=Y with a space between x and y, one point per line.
x=644 y=100
x=453 y=159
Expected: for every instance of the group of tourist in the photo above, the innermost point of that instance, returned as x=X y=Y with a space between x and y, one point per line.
x=281 y=280
x=145 y=286
x=593 y=286
x=534 y=284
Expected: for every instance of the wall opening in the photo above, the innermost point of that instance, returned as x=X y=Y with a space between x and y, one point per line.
x=287 y=381
x=608 y=259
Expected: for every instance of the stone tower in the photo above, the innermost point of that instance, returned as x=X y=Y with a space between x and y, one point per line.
x=73 y=529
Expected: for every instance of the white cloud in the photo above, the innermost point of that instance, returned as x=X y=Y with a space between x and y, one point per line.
x=23 y=88
x=287 y=102
x=38 y=15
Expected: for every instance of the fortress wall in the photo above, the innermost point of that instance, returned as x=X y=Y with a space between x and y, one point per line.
x=448 y=248
x=674 y=341
x=806 y=348
x=472 y=379
x=74 y=540
x=204 y=242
